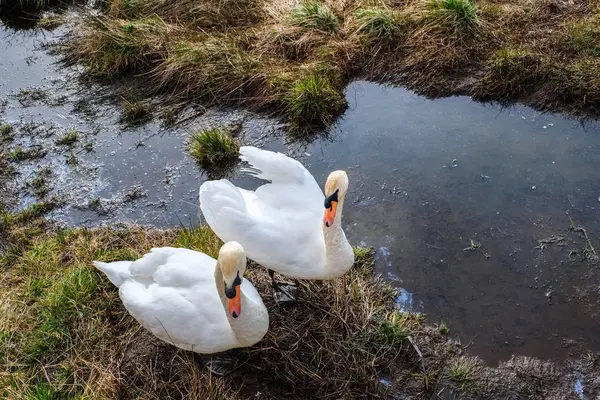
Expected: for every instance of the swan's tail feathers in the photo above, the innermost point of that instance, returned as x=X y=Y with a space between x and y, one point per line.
x=117 y=272
x=271 y=166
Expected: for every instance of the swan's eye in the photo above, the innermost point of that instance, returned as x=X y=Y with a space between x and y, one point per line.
x=332 y=198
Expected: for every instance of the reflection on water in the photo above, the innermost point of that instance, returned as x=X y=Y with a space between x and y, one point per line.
x=453 y=195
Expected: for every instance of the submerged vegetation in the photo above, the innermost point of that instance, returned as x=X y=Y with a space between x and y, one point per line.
x=39 y=182
x=21 y=154
x=296 y=58
x=69 y=138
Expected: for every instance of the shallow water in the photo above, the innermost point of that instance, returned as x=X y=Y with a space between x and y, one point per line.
x=427 y=178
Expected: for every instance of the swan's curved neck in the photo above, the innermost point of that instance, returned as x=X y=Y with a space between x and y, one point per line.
x=247 y=324
x=339 y=253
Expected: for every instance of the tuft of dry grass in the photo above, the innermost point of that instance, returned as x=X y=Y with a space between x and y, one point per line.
x=109 y=47
x=209 y=67
x=203 y=14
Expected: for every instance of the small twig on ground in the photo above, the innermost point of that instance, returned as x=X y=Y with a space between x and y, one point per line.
x=471 y=342
x=587 y=240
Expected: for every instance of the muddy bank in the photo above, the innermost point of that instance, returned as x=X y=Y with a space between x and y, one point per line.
x=295 y=60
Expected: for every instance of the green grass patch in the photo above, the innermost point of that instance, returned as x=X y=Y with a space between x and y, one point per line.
x=443 y=328
x=584 y=37
x=36 y=286
x=6 y=132
x=461 y=16
x=19 y=154
x=88 y=147
x=69 y=138
x=315 y=15
x=214 y=148
x=462 y=372
x=397 y=326
x=134 y=112
x=382 y=23
x=314 y=100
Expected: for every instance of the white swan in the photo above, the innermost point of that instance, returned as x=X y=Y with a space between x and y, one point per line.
x=287 y=225
x=188 y=299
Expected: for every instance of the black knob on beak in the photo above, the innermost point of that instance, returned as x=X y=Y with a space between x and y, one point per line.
x=230 y=292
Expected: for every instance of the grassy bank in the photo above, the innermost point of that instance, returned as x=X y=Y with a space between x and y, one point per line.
x=65 y=335
x=297 y=58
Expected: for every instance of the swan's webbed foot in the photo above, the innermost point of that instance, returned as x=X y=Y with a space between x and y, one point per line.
x=285 y=294
x=218 y=365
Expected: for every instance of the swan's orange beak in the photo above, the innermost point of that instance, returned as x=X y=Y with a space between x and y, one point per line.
x=235 y=305
x=330 y=214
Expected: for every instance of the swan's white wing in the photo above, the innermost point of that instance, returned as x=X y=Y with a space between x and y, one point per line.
x=279 y=225
x=292 y=187
x=169 y=306
x=277 y=239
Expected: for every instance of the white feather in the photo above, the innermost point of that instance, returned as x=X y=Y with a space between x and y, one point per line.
x=280 y=224
x=172 y=292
